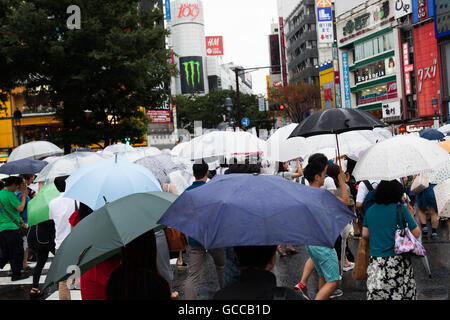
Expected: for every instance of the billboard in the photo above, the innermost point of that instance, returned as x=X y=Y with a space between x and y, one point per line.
x=442 y=20
x=191 y=75
x=283 y=52
x=422 y=10
x=168 y=12
x=214 y=46
x=324 y=21
x=274 y=54
x=346 y=79
x=159 y=116
x=402 y=8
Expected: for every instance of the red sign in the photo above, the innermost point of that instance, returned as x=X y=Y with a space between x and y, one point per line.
x=336 y=77
x=189 y=10
x=328 y=94
x=214 y=46
x=408 y=68
x=426 y=68
x=277 y=84
x=159 y=116
x=422 y=10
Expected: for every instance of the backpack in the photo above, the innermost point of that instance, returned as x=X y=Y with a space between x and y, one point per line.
x=368 y=200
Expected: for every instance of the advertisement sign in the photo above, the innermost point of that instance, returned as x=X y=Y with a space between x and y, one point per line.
x=324 y=21
x=214 y=46
x=346 y=78
x=422 y=10
x=283 y=52
x=191 y=75
x=185 y=11
x=375 y=70
x=392 y=110
x=274 y=54
x=261 y=104
x=159 y=116
x=189 y=10
x=277 y=84
x=442 y=21
x=408 y=69
x=379 y=93
x=328 y=94
x=168 y=12
x=402 y=8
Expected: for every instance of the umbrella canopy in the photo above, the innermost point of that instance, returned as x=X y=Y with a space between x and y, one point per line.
x=35 y=150
x=108 y=180
x=100 y=235
x=220 y=143
x=160 y=165
x=445 y=129
x=280 y=148
x=24 y=166
x=440 y=174
x=445 y=145
x=37 y=208
x=432 y=134
x=66 y=165
x=116 y=148
x=399 y=157
x=336 y=121
x=150 y=151
x=246 y=209
x=442 y=194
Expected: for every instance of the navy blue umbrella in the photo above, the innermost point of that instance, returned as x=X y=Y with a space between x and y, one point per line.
x=246 y=209
x=24 y=166
x=432 y=134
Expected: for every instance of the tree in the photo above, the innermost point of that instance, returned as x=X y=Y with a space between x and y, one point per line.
x=298 y=98
x=99 y=76
x=210 y=109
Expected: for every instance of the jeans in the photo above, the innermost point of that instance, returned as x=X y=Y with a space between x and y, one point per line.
x=197 y=256
x=13 y=251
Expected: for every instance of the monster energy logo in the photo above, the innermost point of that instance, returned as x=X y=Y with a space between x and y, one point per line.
x=192 y=65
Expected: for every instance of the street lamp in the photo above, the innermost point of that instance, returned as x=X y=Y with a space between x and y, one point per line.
x=434 y=103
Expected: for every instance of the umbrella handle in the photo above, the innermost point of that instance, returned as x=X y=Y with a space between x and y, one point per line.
x=339 y=153
x=80 y=257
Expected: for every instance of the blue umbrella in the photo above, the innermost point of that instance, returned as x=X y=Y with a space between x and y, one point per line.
x=432 y=134
x=108 y=180
x=24 y=166
x=245 y=209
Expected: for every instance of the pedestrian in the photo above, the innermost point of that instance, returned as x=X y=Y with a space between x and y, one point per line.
x=137 y=276
x=60 y=210
x=390 y=276
x=24 y=217
x=255 y=281
x=11 y=240
x=364 y=199
x=323 y=161
x=196 y=252
x=426 y=202
x=93 y=282
x=323 y=259
x=29 y=180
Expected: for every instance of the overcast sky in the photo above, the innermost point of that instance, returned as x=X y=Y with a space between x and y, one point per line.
x=245 y=26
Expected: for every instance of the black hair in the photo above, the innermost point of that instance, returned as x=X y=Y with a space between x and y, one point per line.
x=389 y=192
x=318 y=158
x=212 y=174
x=244 y=168
x=281 y=167
x=255 y=256
x=312 y=169
x=333 y=171
x=84 y=211
x=200 y=170
x=60 y=183
x=13 y=181
x=27 y=176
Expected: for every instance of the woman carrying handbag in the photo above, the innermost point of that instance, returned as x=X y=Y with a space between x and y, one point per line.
x=390 y=276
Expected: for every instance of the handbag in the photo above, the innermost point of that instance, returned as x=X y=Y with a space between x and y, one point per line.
x=22 y=226
x=405 y=242
x=176 y=240
x=359 y=271
x=420 y=183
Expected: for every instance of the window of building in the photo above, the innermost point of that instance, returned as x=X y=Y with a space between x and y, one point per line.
x=377 y=93
x=374 y=46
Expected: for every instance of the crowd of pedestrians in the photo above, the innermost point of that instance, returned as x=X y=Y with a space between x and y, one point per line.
x=142 y=270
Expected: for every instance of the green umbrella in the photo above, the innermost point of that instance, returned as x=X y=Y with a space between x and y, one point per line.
x=104 y=232
x=37 y=208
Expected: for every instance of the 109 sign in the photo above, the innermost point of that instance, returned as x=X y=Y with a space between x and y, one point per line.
x=189 y=10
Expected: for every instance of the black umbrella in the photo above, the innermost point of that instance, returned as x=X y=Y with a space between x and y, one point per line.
x=336 y=121
x=24 y=166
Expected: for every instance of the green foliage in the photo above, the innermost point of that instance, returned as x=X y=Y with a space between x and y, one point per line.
x=210 y=109
x=114 y=64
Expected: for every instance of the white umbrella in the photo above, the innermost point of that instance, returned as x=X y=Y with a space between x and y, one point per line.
x=442 y=194
x=221 y=143
x=35 y=150
x=280 y=148
x=116 y=148
x=67 y=164
x=130 y=156
x=398 y=157
x=445 y=129
x=150 y=151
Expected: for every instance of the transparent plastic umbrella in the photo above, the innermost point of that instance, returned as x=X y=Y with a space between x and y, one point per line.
x=161 y=166
x=35 y=150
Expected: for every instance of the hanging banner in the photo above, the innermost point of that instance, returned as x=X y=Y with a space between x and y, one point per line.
x=346 y=78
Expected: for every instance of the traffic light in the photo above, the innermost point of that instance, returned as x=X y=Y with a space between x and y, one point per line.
x=276 y=107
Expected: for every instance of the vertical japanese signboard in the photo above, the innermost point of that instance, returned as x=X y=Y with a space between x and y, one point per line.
x=408 y=69
x=324 y=21
x=274 y=54
x=346 y=79
x=283 y=52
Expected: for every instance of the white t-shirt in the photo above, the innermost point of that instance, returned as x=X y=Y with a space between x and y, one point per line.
x=327 y=185
x=60 y=210
x=363 y=191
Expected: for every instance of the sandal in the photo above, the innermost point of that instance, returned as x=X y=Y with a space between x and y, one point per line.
x=425 y=231
x=435 y=236
x=181 y=265
x=35 y=293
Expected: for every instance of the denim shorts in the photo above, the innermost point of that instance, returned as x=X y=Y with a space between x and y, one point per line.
x=325 y=261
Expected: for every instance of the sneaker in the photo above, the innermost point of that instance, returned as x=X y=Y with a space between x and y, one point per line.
x=435 y=236
x=350 y=267
x=337 y=293
x=302 y=289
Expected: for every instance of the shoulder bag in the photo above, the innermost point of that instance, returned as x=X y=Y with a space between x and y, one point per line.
x=22 y=227
x=420 y=183
x=405 y=242
x=176 y=241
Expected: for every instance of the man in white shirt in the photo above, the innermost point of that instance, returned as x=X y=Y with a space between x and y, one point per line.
x=60 y=210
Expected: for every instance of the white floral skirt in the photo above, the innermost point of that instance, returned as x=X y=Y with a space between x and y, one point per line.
x=390 y=278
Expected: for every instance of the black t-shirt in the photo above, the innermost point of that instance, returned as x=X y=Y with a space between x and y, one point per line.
x=156 y=287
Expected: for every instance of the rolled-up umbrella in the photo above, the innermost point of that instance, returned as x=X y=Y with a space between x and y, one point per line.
x=255 y=210
x=100 y=235
x=24 y=166
x=35 y=150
